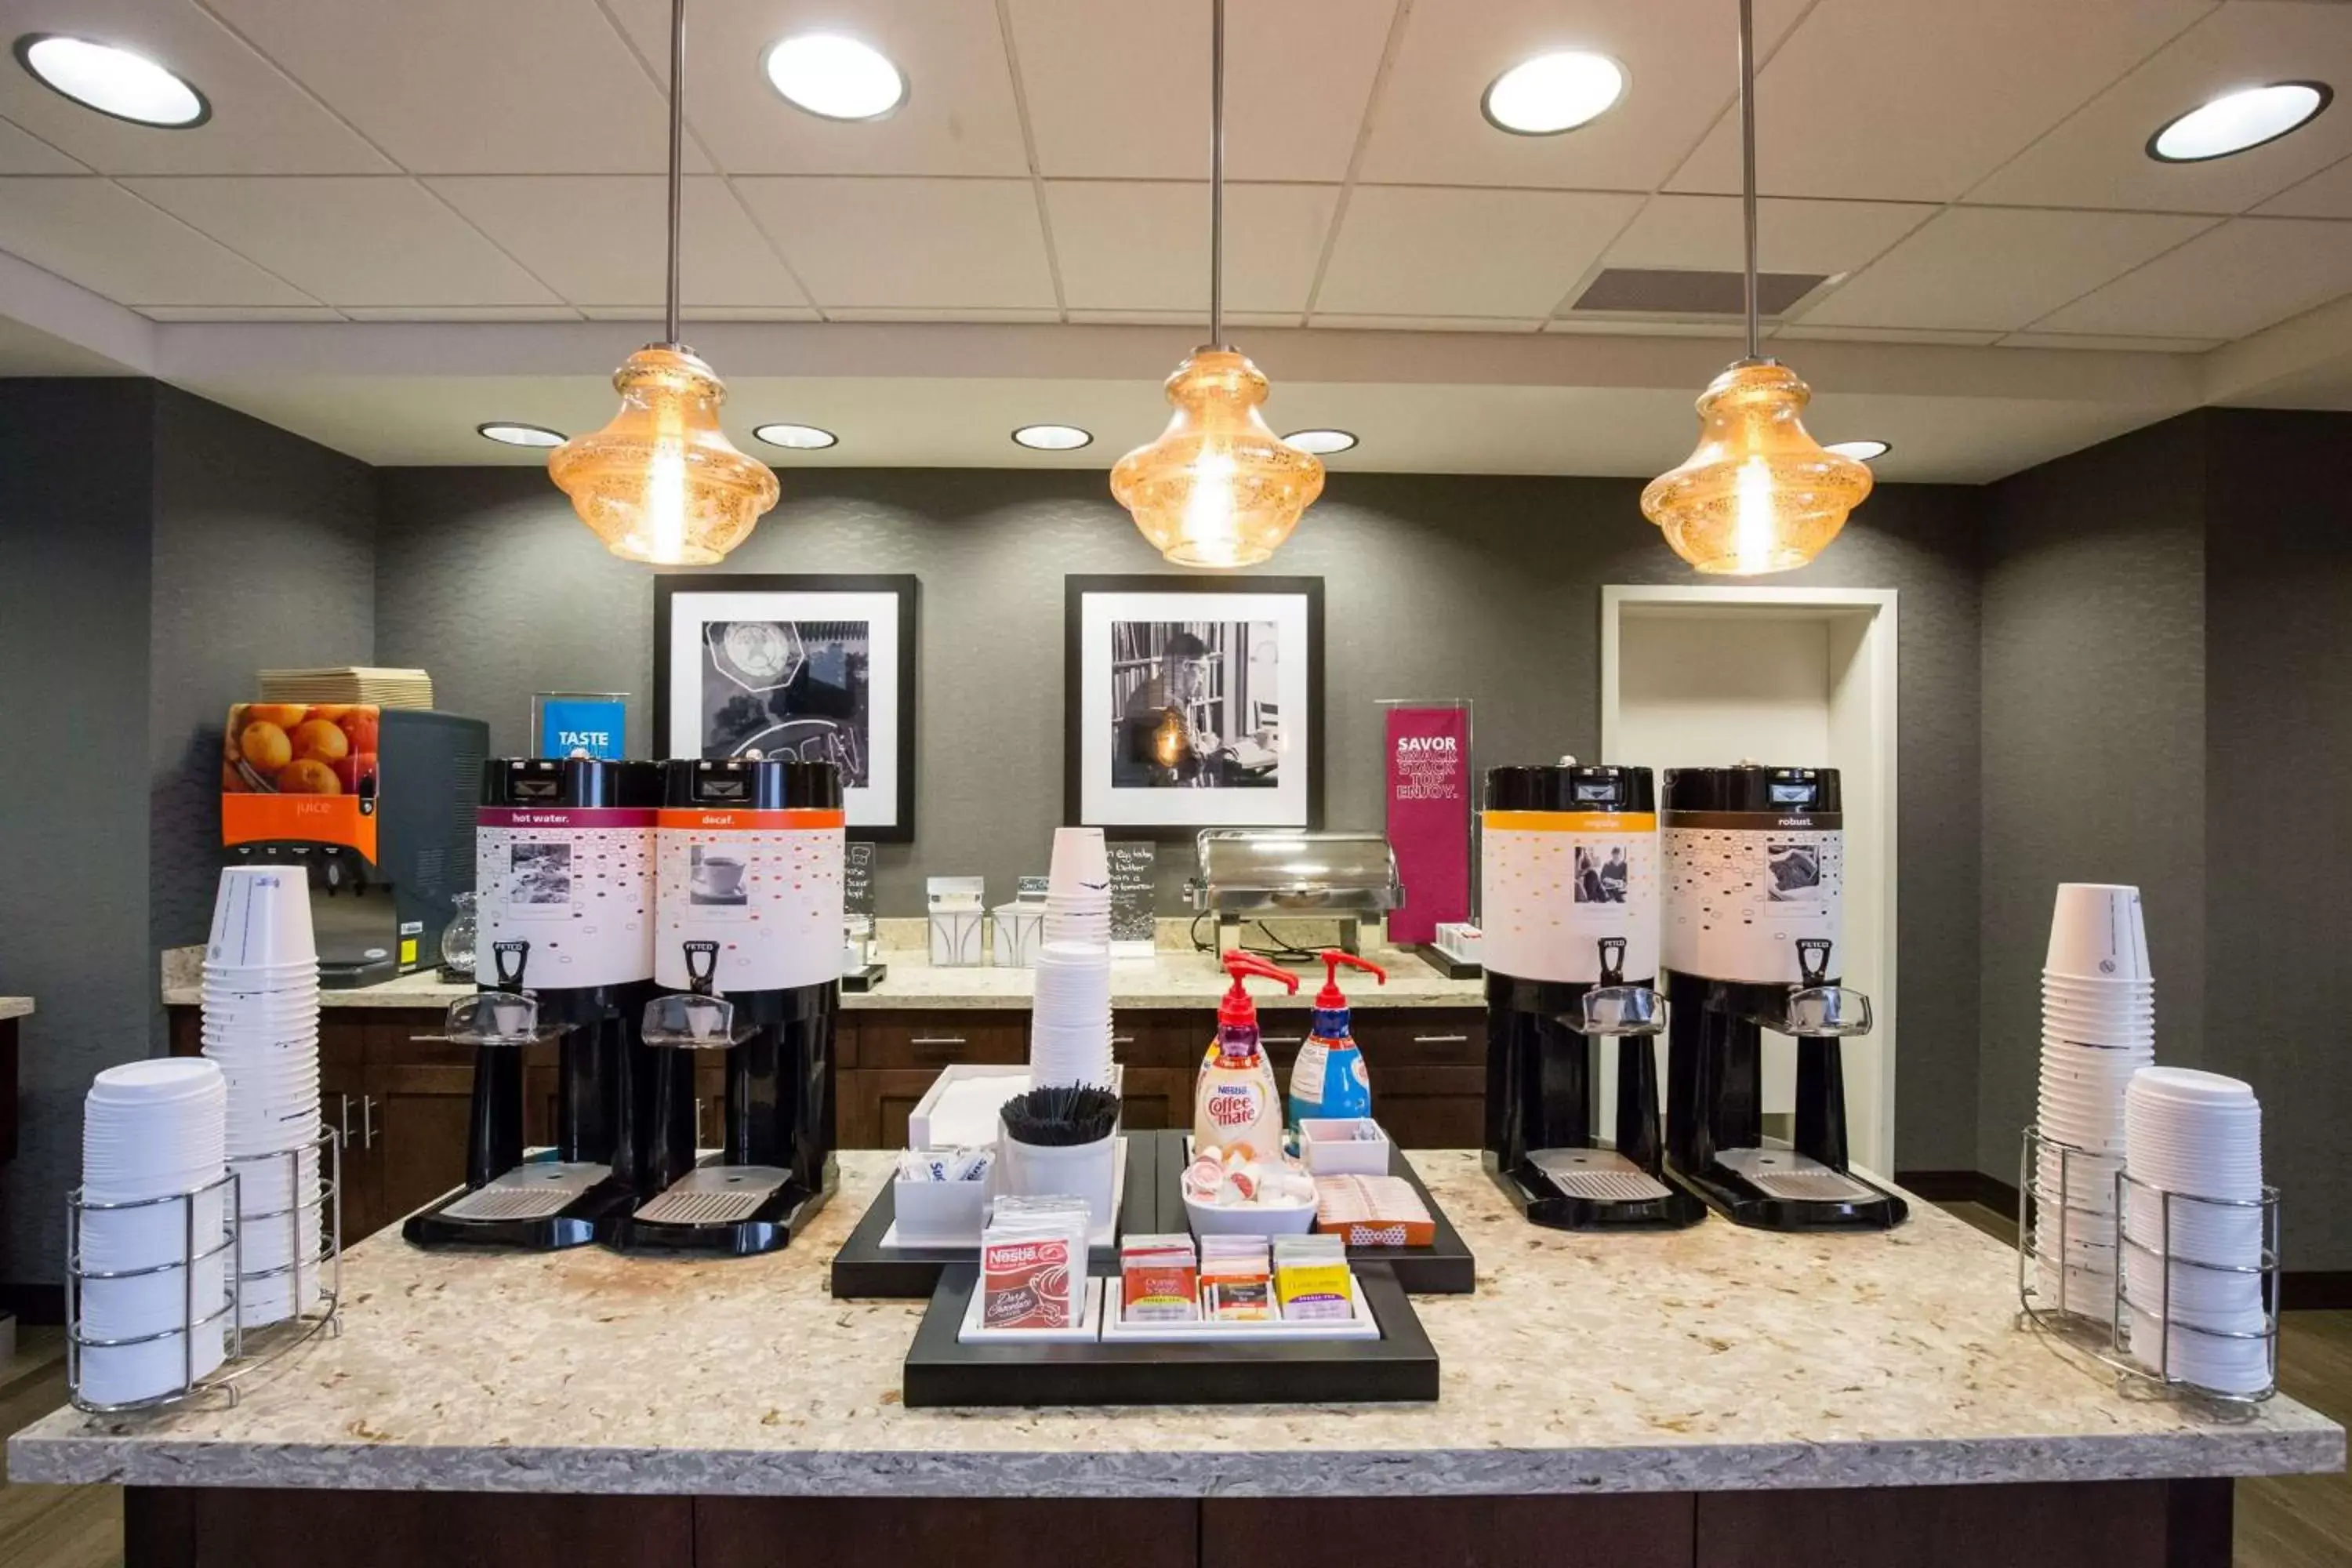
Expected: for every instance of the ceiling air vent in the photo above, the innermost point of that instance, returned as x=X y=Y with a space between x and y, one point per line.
x=1664 y=291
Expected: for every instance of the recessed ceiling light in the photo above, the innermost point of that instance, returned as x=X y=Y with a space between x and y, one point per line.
x=1552 y=93
x=1860 y=451
x=113 y=80
x=2238 y=120
x=1322 y=443
x=834 y=78
x=509 y=433
x=1054 y=437
x=799 y=438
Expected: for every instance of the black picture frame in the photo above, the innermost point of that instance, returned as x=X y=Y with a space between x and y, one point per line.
x=1078 y=588
x=670 y=587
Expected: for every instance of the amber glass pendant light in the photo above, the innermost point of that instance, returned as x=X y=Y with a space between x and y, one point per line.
x=661 y=483
x=1759 y=494
x=1219 y=488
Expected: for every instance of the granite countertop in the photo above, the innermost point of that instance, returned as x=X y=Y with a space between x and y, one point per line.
x=16 y=1007
x=1712 y=1359
x=1167 y=979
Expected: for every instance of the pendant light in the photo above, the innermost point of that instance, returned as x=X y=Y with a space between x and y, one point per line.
x=1219 y=488
x=661 y=483
x=1758 y=494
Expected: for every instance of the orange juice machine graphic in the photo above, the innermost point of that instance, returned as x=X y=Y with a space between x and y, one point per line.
x=564 y=859
x=375 y=804
x=748 y=945
x=1569 y=905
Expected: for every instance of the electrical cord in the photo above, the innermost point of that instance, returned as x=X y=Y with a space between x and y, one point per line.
x=1283 y=950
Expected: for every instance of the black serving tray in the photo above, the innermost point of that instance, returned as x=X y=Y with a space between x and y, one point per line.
x=865 y=1269
x=940 y=1369
x=1444 y=1268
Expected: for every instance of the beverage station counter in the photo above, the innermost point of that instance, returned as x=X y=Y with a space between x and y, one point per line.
x=1657 y=1391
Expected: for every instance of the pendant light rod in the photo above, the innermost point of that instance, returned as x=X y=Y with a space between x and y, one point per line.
x=1747 y=157
x=1216 y=174
x=677 y=155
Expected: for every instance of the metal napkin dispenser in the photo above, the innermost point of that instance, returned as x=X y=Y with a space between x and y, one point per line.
x=1247 y=873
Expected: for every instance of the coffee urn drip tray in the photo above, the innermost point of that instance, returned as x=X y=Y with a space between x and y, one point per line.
x=539 y=1191
x=715 y=1195
x=1597 y=1175
x=1793 y=1177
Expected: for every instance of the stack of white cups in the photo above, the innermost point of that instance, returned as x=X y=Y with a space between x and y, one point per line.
x=1077 y=888
x=2098 y=1028
x=151 y=1130
x=261 y=1025
x=1070 y=1030
x=2199 y=1134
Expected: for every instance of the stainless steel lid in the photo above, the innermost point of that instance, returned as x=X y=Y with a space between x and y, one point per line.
x=1248 y=870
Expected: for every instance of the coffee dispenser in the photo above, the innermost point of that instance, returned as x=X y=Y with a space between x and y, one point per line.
x=751 y=858
x=1755 y=868
x=564 y=874
x=1568 y=909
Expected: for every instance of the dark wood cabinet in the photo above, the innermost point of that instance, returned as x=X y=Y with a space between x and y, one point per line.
x=401 y=1102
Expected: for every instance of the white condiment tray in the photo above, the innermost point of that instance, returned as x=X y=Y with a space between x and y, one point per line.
x=1085 y=1332
x=971 y=1197
x=1116 y=1330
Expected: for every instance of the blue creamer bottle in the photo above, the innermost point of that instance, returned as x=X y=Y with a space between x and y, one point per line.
x=1329 y=1078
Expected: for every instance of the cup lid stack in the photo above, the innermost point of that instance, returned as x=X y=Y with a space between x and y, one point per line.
x=261 y=1027
x=2193 y=1260
x=2098 y=1028
x=154 y=1277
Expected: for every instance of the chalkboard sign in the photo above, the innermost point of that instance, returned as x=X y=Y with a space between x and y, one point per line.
x=858 y=878
x=1133 y=883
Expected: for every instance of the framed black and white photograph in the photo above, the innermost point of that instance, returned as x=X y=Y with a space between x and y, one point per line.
x=817 y=669
x=1192 y=702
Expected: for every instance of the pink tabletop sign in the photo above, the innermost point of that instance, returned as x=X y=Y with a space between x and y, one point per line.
x=1429 y=818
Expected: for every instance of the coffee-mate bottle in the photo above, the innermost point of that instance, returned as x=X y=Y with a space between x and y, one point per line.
x=1236 y=1103
x=1329 y=1078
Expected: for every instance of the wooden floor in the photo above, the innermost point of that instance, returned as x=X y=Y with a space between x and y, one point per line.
x=2298 y=1522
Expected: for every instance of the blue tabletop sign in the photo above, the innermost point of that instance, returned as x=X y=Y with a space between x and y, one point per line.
x=570 y=723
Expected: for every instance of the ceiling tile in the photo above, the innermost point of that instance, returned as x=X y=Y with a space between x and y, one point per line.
x=940 y=313
x=959 y=116
x=352 y=241
x=2112 y=345
x=1998 y=268
x=239 y=313
x=1193 y=318
x=1426 y=252
x=600 y=238
x=1383 y=324
x=2228 y=282
x=1641 y=327
x=262 y=123
x=1792 y=236
x=461 y=312
x=22 y=152
x=456 y=85
x=1428 y=128
x=1919 y=99
x=2099 y=159
x=1127 y=246
x=1092 y=120
x=2327 y=193
x=921 y=243
x=1801 y=332
x=106 y=239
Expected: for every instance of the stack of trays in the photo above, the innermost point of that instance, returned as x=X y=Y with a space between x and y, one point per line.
x=349 y=683
x=152 y=1304
x=2198 y=1135
x=2098 y=1028
x=261 y=1027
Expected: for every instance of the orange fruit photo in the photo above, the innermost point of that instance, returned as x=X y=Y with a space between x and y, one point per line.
x=321 y=739
x=307 y=776
x=266 y=746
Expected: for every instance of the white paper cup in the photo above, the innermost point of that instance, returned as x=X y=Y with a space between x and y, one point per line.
x=121 y=1375
x=1081 y=862
x=261 y=915
x=2097 y=929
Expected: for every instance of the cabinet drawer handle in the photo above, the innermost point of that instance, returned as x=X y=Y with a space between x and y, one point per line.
x=343 y=1123
x=697 y=1121
x=1440 y=1039
x=937 y=1040
x=367 y=1121
x=1282 y=1039
x=1122 y=1039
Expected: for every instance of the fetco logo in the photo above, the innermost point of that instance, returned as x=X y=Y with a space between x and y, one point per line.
x=1428 y=743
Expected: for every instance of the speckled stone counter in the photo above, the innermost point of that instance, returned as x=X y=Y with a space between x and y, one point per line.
x=1713 y=1360
x=16 y=1007
x=1165 y=980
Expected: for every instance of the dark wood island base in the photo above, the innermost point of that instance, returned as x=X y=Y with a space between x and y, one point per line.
x=2110 y=1524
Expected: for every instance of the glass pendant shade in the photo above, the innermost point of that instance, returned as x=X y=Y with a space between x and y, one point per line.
x=1219 y=488
x=1759 y=494
x=661 y=483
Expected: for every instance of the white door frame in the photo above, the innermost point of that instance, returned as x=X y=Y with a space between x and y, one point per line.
x=1875 y=607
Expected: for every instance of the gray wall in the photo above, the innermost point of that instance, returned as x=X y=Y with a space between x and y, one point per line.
x=73 y=777
x=1485 y=588
x=263 y=557
x=2278 y=684
x=2093 y=737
